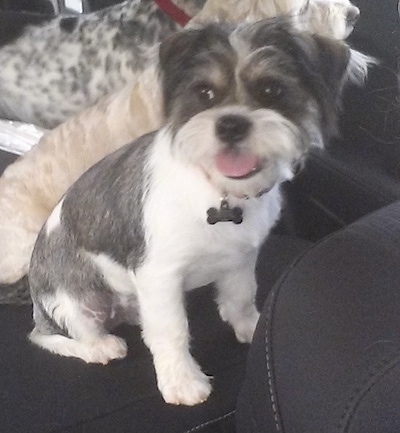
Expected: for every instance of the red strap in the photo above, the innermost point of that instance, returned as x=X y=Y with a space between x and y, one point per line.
x=174 y=12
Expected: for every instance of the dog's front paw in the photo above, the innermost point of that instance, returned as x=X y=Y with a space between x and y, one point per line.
x=186 y=385
x=244 y=329
x=189 y=391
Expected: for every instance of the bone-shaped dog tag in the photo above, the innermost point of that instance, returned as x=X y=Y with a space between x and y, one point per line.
x=224 y=213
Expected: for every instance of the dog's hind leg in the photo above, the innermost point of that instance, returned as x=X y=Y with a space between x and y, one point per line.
x=87 y=338
x=99 y=351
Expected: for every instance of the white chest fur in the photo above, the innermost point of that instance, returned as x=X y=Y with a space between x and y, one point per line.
x=178 y=236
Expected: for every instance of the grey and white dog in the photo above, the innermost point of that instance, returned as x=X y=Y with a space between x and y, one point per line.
x=187 y=205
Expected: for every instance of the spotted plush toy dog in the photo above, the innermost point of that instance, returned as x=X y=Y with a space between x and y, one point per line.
x=31 y=187
x=243 y=105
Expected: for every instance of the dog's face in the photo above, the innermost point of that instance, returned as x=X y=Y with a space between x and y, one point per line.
x=245 y=104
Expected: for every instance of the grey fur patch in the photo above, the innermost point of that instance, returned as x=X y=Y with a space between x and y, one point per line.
x=111 y=225
x=101 y=225
x=45 y=323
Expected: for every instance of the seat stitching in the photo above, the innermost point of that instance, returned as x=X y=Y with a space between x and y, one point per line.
x=273 y=297
x=364 y=389
x=197 y=428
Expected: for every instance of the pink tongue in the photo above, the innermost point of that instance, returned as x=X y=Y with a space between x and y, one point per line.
x=233 y=164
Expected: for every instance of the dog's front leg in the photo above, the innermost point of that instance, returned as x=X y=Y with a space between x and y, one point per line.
x=165 y=331
x=236 y=298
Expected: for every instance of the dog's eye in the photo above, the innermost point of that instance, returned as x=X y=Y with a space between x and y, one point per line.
x=206 y=94
x=272 y=91
x=268 y=92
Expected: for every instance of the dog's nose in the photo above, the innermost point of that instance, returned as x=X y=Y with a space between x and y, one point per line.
x=232 y=128
x=352 y=15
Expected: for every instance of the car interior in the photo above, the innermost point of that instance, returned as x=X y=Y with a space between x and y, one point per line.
x=326 y=353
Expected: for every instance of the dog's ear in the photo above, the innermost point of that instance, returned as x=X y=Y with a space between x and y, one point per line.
x=176 y=45
x=327 y=58
x=324 y=63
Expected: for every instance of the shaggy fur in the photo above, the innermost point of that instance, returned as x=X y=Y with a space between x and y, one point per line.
x=31 y=187
x=243 y=106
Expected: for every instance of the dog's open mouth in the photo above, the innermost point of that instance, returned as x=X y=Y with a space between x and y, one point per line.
x=238 y=166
